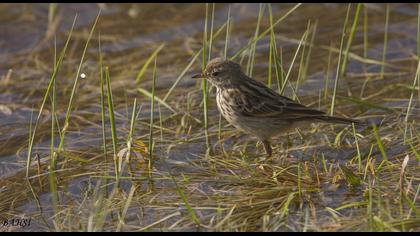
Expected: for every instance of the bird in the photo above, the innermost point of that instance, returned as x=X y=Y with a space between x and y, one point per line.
x=256 y=109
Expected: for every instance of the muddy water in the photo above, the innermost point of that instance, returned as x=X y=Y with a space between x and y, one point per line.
x=130 y=32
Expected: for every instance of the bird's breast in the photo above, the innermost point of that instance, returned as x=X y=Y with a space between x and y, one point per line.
x=225 y=106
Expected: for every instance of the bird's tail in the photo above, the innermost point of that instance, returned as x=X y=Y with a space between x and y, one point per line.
x=339 y=120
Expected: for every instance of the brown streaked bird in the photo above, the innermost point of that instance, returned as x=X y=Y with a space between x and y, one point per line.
x=254 y=108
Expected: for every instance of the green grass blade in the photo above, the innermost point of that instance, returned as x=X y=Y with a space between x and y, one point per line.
x=110 y=99
x=152 y=108
x=73 y=92
x=47 y=92
x=156 y=98
x=265 y=32
x=101 y=76
x=142 y=71
x=350 y=38
x=228 y=22
x=271 y=47
x=183 y=197
x=359 y=155
x=251 y=54
x=385 y=41
x=126 y=206
x=337 y=75
x=410 y=101
x=302 y=59
x=280 y=75
x=211 y=33
x=204 y=82
x=133 y=120
x=181 y=75
x=308 y=55
x=418 y=32
x=283 y=86
x=327 y=77
x=367 y=104
x=379 y=142
x=53 y=163
x=365 y=31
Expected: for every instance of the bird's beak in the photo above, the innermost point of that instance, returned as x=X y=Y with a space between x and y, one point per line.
x=197 y=76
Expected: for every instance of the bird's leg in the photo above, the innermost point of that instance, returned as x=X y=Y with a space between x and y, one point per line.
x=269 y=151
x=267 y=147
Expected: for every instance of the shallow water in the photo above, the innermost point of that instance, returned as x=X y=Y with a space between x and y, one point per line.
x=130 y=32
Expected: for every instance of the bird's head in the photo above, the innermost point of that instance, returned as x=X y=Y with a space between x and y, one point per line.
x=221 y=72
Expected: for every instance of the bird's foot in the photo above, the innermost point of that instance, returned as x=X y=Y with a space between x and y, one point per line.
x=267 y=147
x=265 y=169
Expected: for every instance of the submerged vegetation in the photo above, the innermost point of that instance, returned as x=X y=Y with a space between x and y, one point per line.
x=103 y=129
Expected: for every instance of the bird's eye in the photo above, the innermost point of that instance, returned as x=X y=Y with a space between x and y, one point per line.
x=216 y=73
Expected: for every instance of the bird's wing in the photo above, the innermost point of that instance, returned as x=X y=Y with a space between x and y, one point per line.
x=261 y=101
